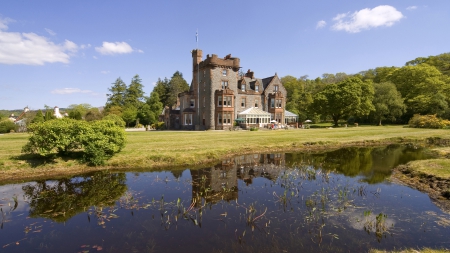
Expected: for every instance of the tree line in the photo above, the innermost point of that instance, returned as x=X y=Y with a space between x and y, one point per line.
x=391 y=94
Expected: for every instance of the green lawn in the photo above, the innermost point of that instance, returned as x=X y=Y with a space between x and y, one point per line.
x=179 y=148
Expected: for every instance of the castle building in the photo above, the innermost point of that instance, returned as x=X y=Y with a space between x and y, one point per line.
x=219 y=96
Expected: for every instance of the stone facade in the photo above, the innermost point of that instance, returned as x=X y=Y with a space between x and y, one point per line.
x=218 y=94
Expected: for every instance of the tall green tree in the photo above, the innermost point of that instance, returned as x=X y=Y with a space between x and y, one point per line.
x=177 y=85
x=349 y=97
x=388 y=102
x=162 y=87
x=155 y=107
x=116 y=96
x=134 y=94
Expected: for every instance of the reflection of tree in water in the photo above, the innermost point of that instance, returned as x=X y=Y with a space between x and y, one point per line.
x=62 y=199
x=348 y=161
x=374 y=164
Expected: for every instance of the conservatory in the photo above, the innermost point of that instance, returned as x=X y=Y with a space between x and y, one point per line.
x=254 y=117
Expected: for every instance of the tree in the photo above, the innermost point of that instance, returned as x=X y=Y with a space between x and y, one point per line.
x=155 y=107
x=78 y=111
x=134 y=94
x=116 y=97
x=93 y=114
x=115 y=109
x=162 y=88
x=129 y=114
x=177 y=85
x=388 y=102
x=38 y=118
x=424 y=88
x=349 y=97
x=441 y=62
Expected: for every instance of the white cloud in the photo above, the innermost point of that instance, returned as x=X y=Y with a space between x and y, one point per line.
x=70 y=91
x=95 y=57
x=104 y=72
x=114 y=48
x=85 y=46
x=411 y=8
x=30 y=48
x=321 y=24
x=70 y=46
x=140 y=51
x=383 y=15
x=52 y=33
x=4 y=23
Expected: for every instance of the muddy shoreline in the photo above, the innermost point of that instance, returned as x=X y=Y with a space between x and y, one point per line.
x=438 y=189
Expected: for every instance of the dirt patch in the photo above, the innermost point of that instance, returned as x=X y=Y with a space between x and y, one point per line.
x=438 y=189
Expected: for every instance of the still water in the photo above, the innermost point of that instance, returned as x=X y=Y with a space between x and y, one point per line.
x=337 y=201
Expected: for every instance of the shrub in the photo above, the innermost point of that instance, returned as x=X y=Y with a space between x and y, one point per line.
x=428 y=121
x=7 y=125
x=98 y=140
x=159 y=126
x=254 y=129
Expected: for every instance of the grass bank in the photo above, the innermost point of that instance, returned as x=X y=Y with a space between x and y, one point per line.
x=424 y=250
x=155 y=149
x=431 y=176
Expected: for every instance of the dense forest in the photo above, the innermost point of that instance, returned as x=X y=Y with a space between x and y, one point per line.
x=383 y=94
x=375 y=96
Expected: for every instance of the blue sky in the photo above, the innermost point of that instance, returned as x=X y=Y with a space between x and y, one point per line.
x=58 y=53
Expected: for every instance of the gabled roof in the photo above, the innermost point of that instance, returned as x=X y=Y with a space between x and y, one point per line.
x=254 y=111
x=266 y=81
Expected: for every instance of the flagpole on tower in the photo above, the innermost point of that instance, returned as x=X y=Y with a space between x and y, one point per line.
x=198 y=82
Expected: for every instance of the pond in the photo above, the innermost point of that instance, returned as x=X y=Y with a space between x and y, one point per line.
x=338 y=201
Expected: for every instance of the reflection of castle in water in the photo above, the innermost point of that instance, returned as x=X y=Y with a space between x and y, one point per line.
x=220 y=182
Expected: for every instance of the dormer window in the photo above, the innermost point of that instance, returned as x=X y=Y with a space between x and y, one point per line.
x=224 y=72
x=243 y=87
x=257 y=88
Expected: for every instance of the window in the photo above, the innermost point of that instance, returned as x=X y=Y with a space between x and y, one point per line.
x=204 y=73
x=224 y=84
x=256 y=102
x=188 y=119
x=257 y=88
x=227 y=118
x=243 y=102
x=204 y=101
x=192 y=103
x=243 y=87
x=224 y=72
x=224 y=118
x=219 y=100
x=227 y=101
x=272 y=103
x=279 y=103
x=275 y=88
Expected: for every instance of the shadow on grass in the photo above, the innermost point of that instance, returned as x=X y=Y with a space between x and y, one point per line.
x=35 y=160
